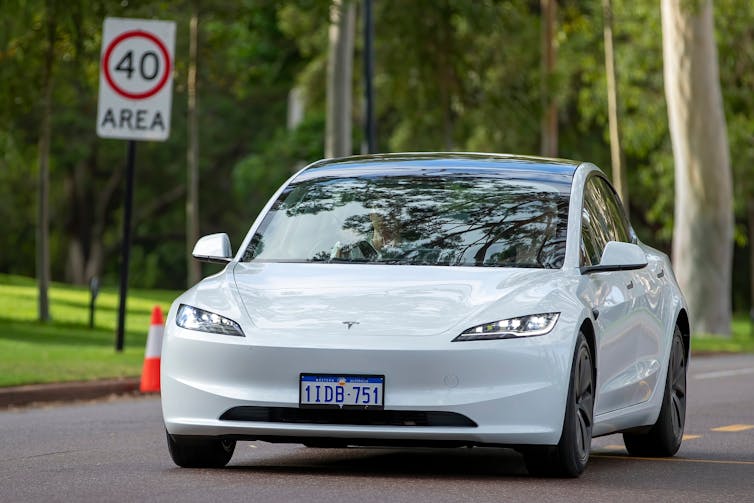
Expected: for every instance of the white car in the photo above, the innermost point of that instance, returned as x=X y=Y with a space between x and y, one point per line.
x=431 y=300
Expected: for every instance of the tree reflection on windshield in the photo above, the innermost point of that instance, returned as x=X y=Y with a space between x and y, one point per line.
x=458 y=220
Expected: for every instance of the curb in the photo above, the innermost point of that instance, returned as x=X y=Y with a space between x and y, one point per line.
x=16 y=396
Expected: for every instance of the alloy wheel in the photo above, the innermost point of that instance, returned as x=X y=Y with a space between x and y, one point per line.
x=584 y=391
x=678 y=386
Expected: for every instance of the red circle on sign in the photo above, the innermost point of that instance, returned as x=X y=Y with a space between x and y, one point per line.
x=106 y=67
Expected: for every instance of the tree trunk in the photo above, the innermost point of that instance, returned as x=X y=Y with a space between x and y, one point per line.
x=192 y=201
x=620 y=179
x=703 y=226
x=750 y=215
x=339 y=72
x=86 y=220
x=550 y=108
x=86 y=253
x=370 y=139
x=296 y=107
x=43 y=217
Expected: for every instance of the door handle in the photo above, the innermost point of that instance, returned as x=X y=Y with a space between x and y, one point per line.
x=630 y=285
x=661 y=274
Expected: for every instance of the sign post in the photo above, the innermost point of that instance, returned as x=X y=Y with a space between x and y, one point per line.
x=125 y=245
x=135 y=98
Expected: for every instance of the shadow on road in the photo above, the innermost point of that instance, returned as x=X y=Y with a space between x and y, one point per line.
x=384 y=462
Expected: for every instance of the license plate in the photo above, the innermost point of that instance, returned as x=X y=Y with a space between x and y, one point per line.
x=341 y=391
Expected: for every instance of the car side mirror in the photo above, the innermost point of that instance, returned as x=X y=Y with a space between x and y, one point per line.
x=618 y=256
x=213 y=248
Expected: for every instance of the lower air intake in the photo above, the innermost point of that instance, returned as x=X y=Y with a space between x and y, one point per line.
x=345 y=416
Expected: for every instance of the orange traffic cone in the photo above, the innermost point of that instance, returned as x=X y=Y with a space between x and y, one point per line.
x=150 y=373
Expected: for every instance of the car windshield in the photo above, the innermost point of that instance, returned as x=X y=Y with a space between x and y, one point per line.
x=453 y=220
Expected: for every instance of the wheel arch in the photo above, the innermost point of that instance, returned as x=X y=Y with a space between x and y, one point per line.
x=685 y=326
x=587 y=328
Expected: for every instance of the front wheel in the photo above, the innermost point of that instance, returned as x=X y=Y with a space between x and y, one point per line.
x=665 y=436
x=200 y=452
x=569 y=457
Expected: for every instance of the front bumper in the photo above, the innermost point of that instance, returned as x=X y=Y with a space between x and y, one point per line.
x=513 y=390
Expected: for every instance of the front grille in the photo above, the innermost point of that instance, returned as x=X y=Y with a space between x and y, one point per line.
x=347 y=416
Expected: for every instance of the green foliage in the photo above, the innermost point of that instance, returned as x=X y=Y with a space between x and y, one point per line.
x=246 y=66
x=450 y=75
x=453 y=76
x=16 y=204
x=735 y=39
x=285 y=154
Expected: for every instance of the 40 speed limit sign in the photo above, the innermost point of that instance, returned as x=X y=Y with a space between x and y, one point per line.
x=135 y=82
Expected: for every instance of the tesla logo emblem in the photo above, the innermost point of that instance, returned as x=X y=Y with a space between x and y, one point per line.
x=349 y=324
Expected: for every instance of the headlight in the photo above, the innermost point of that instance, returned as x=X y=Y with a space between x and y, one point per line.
x=193 y=318
x=523 y=326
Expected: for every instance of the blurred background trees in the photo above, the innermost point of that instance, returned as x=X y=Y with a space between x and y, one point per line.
x=449 y=75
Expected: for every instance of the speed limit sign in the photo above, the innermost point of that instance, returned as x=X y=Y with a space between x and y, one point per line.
x=135 y=84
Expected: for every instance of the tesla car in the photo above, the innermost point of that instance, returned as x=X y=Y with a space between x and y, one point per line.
x=431 y=300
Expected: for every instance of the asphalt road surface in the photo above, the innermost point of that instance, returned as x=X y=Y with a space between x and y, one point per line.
x=115 y=451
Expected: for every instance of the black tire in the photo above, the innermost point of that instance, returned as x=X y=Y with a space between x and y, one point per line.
x=570 y=456
x=200 y=452
x=664 y=437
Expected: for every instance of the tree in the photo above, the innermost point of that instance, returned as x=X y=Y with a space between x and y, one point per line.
x=459 y=75
x=550 y=116
x=192 y=155
x=703 y=228
x=45 y=132
x=339 y=78
x=620 y=180
x=735 y=41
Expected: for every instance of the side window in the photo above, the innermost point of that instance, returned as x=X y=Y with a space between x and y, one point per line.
x=590 y=249
x=614 y=213
x=594 y=232
x=602 y=219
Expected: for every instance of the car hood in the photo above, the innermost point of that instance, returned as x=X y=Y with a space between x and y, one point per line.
x=385 y=299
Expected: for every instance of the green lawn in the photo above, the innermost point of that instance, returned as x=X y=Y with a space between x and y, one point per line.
x=66 y=349
x=741 y=341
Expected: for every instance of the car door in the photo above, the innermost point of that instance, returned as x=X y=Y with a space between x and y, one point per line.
x=647 y=281
x=615 y=298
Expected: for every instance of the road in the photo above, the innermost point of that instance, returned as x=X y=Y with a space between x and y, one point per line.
x=115 y=451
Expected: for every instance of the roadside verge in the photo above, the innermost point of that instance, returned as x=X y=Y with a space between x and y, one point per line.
x=17 y=396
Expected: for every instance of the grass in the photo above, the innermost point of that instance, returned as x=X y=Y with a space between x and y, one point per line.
x=740 y=341
x=66 y=349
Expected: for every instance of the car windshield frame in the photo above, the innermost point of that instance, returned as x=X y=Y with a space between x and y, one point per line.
x=443 y=217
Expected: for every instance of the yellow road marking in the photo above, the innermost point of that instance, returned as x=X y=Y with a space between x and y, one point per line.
x=620 y=447
x=675 y=460
x=734 y=427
